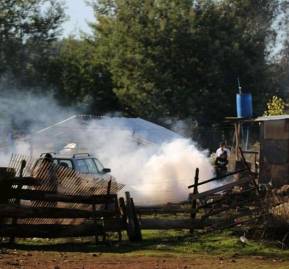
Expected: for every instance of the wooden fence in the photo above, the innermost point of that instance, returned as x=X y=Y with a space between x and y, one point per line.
x=31 y=206
x=94 y=215
x=232 y=202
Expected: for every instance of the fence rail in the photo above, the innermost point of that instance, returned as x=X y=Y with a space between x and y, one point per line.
x=52 y=201
x=46 y=200
x=240 y=205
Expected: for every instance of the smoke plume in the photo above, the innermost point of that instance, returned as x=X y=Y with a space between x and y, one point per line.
x=155 y=164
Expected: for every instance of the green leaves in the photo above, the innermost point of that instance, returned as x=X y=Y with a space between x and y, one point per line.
x=275 y=106
x=172 y=58
x=149 y=58
x=27 y=29
x=81 y=78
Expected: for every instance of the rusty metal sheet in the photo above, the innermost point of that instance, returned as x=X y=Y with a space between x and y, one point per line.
x=265 y=173
x=276 y=151
x=279 y=175
x=278 y=129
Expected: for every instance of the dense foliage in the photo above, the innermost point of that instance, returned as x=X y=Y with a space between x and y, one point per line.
x=275 y=106
x=81 y=78
x=182 y=60
x=27 y=30
x=156 y=59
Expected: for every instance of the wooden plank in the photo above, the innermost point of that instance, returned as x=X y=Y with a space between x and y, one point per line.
x=114 y=225
x=216 y=211
x=222 y=188
x=217 y=178
x=108 y=191
x=156 y=224
x=276 y=130
x=22 y=212
x=58 y=230
x=49 y=230
x=17 y=201
x=234 y=220
x=137 y=232
x=251 y=174
x=123 y=214
x=6 y=173
x=122 y=209
x=233 y=206
x=24 y=181
x=239 y=196
x=250 y=152
x=194 y=202
x=130 y=221
x=161 y=210
x=34 y=195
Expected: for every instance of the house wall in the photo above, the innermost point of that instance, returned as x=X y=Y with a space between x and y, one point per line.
x=274 y=152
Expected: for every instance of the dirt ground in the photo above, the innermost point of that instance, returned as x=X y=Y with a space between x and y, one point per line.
x=78 y=260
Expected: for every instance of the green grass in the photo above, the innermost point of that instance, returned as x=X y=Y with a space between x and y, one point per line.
x=180 y=243
x=169 y=243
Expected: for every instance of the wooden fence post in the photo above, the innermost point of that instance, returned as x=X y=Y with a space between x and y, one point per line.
x=118 y=215
x=251 y=174
x=194 y=202
x=95 y=222
x=133 y=228
x=137 y=232
x=106 y=206
x=6 y=174
x=17 y=201
x=108 y=192
x=123 y=212
x=130 y=223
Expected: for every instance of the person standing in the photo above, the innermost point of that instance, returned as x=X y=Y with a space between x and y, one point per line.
x=222 y=149
x=221 y=161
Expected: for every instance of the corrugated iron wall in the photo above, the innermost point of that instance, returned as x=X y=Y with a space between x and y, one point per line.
x=274 y=152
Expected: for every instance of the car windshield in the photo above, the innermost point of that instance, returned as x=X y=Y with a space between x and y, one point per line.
x=88 y=166
x=81 y=166
x=85 y=165
x=92 y=168
x=99 y=165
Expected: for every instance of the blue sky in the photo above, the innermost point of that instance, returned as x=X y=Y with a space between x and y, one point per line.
x=79 y=13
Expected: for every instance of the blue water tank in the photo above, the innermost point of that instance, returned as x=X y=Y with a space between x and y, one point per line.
x=244 y=105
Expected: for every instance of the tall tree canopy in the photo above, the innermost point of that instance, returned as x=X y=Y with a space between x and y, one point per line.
x=81 y=79
x=182 y=58
x=150 y=58
x=27 y=29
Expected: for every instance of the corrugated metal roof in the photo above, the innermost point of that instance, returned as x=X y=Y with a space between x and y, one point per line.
x=144 y=131
x=270 y=118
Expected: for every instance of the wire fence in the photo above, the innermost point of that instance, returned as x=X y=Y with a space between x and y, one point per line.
x=63 y=180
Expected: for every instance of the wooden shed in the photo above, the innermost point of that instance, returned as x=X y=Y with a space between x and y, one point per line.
x=274 y=150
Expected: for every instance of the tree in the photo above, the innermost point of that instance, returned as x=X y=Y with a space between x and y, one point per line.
x=135 y=45
x=178 y=59
x=81 y=79
x=27 y=30
x=275 y=106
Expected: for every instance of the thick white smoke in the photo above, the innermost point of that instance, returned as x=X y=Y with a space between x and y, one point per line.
x=167 y=173
x=154 y=173
x=154 y=166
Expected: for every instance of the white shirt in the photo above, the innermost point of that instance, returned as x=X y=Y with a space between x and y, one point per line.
x=221 y=150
